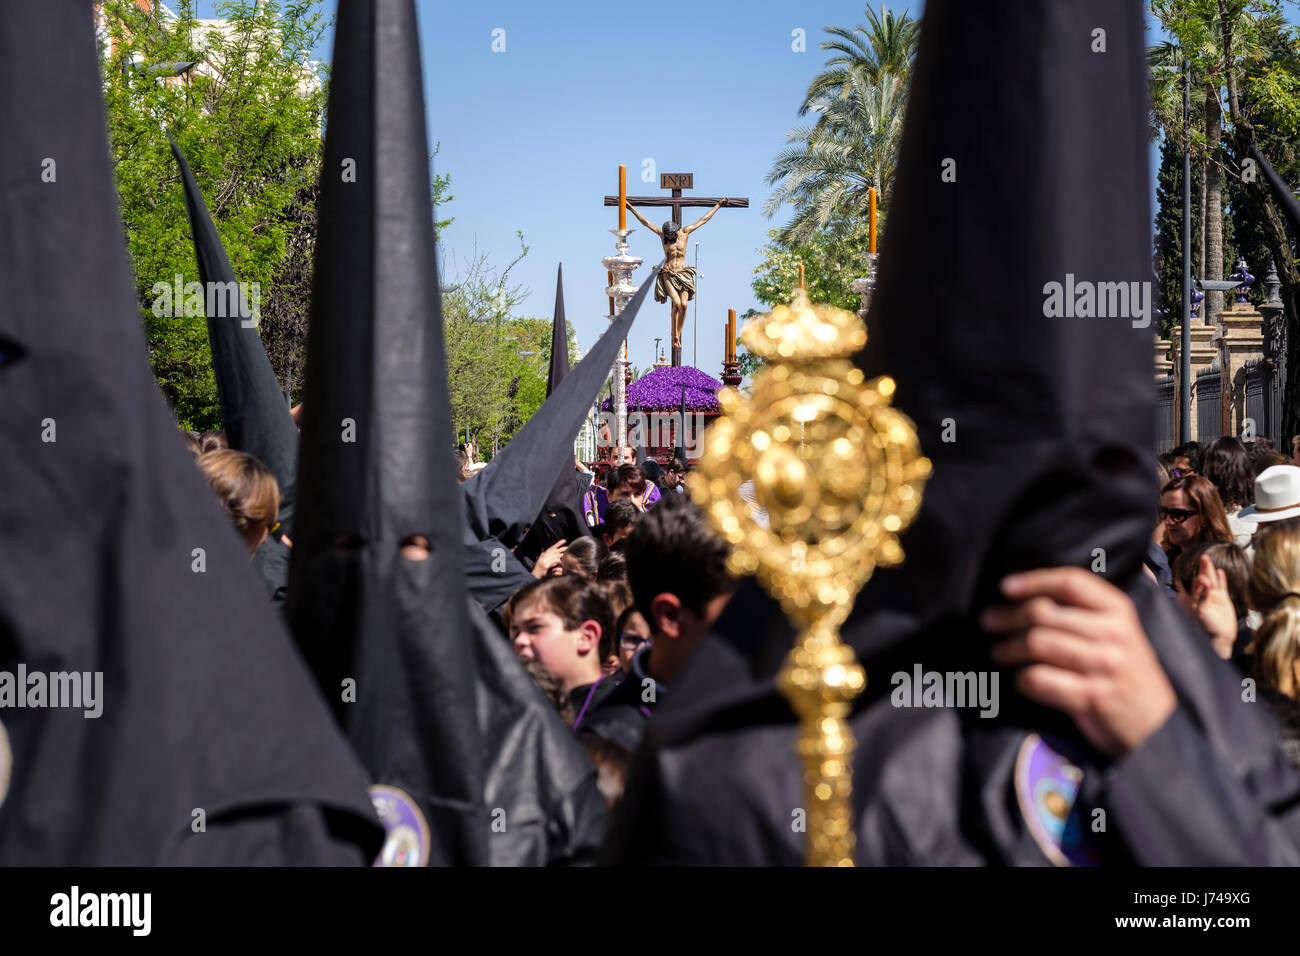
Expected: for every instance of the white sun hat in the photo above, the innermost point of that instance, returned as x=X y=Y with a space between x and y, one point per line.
x=1277 y=495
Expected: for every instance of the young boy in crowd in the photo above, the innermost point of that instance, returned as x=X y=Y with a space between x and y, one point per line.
x=559 y=622
x=678 y=571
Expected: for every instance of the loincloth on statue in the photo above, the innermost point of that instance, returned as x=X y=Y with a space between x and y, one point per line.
x=683 y=280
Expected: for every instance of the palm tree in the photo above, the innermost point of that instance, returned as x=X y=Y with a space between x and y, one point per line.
x=825 y=170
x=885 y=45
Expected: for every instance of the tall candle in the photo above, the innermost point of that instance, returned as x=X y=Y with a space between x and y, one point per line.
x=622 y=198
x=801 y=275
x=871 y=220
x=731 y=335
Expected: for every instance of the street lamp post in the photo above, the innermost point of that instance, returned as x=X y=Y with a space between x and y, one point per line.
x=621 y=291
x=1185 y=352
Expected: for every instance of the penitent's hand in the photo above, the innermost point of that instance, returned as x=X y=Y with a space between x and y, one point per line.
x=1081 y=650
x=549 y=558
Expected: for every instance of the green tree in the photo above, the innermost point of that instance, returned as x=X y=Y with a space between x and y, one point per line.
x=1218 y=59
x=496 y=362
x=1246 y=57
x=248 y=115
x=832 y=259
x=826 y=170
x=886 y=45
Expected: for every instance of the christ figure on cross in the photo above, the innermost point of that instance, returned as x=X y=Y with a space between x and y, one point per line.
x=676 y=279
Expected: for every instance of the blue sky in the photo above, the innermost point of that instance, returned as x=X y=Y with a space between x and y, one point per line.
x=532 y=137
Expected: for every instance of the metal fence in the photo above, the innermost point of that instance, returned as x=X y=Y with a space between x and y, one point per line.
x=1263 y=400
x=1209 y=404
x=1166 y=414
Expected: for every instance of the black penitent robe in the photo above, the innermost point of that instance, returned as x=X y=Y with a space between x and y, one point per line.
x=1040 y=427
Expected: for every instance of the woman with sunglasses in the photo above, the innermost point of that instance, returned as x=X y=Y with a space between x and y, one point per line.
x=1192 y=513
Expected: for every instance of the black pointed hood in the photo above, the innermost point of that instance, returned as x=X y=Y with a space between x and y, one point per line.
x=559 y=337
x=374 y=462
x=1040 y=426
x=253 y=409
x=563 y=497
x=117 y=559
x=505 y=497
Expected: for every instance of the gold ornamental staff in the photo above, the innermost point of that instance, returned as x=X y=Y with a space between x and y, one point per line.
x=839 y=473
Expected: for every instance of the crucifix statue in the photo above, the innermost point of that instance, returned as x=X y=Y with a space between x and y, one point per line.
x=676 y=280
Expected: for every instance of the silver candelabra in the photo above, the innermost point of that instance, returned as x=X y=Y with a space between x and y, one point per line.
x=621 y=265
x=866 y=287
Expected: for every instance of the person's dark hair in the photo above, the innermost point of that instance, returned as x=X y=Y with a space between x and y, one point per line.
x=650 y=468
x=1228 y=558
x=1192 y=452
x=1257 y=449
x=571 y=598
x=1227 y=465
x=1264 y=462
x=1205 y=498
x=678 y=466
x=552 y=688
x=621 y=623
x=462 y=462
x=613 y=567
x=618 y=595
x=672 y=551
x=619 y=515
x=670 y=230
x=612 y=762
x=629 y=475
x=587 y=552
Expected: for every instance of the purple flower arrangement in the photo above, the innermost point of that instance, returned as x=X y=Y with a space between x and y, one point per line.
x=661 y=390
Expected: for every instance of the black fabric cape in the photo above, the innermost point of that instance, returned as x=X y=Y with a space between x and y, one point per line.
x=253 y=409
x=1054 y=423
x=538 y=776
x=213 y=745
x=469 y=767
x=506 y=497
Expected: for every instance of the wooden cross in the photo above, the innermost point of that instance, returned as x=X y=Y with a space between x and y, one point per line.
x=677 y=182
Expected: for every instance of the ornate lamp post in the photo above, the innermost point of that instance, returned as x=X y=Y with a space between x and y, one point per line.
x=1243 y=278
x=866 y=286
x=621 y=265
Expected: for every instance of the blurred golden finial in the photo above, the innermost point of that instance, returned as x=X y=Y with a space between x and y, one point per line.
x=839 y=473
